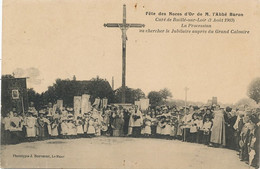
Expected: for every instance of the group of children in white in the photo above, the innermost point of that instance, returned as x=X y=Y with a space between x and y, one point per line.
x=110 y=121
x=236 y=128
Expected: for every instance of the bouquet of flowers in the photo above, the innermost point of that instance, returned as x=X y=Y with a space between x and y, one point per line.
x=135 y=117
x=13 y=124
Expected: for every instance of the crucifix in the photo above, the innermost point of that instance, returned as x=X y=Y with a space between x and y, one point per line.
x=124 y=26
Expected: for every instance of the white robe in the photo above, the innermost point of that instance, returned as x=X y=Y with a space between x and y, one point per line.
x=91 y=128
x=79 y=128
x=147 y=129
x=166 y=130
x=54 y=129
x=30 y=126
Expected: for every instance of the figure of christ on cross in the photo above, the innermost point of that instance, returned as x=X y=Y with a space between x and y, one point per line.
x=124 y=26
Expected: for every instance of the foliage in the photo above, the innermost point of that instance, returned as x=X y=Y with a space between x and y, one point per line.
x=254 y=90
x=99 y=88
x=246 y=101
x=67 y=89
x=166 y=93
x=155 y=98
x=34 y=97
x=131 y=95
x=7 y=76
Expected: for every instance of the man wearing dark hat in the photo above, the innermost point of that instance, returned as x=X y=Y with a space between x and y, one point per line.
x=126 y=121
x=230 y=120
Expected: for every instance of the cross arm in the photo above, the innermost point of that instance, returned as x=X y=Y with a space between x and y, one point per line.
x=135 y=25
x=112 y=25
x=117 y=25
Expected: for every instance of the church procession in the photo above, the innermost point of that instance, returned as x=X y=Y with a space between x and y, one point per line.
x=72 y=111
x=213 y=125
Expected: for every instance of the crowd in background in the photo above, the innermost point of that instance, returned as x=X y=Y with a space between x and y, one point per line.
x=233 y=128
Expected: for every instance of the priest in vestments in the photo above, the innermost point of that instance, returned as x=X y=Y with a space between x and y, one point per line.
x=137 y=121
x=218 y=128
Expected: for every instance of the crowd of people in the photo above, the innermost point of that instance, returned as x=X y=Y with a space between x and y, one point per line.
x=216 y=126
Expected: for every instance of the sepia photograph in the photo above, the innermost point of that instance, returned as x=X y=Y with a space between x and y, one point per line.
x=130 y=84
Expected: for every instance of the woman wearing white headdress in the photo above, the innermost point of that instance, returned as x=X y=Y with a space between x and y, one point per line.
x=30 y=124
x=79 y=124
x=91 y=129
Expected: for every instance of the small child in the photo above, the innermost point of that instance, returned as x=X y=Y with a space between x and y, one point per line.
x=206 y=130
x=159 y=127
x=154 y=122
x=64 y=128
x=147 y=128
x=72 y=129
x=143 y=126
x=173 y=131
x=79 y=124
x=54 y=127
x=199 y=126
x=85 y=120
x=194 y=128
x=97 y=126
x=91 y=129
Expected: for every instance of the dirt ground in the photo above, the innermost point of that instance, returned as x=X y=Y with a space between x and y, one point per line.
x=111 y=152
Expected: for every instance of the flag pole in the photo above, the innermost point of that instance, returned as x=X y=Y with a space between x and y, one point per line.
x=23 y=106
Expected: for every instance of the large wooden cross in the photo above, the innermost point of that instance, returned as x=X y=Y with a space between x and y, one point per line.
x=124 y=26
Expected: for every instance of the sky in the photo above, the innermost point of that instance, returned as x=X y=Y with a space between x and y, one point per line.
x=49 y=39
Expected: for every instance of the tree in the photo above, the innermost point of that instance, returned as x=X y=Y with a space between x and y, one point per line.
x=253 y=91
x=166 y=93
x=246 y=101
x=131 y=95
x=34 y=97
x=67 y=89
x=138 y=94
x=8 y=76
x=155 y=98
x=99 y=88
x=74 y=78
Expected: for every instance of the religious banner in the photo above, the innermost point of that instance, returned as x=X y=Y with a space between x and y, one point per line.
x=52 y=110
x=104 y=101
x=101 y=103
x=97 y=102
x=84 y=103
x=60 y=104
x=77 y=105
x=138 y=103
x=89 y=106
x=144 y=104
x=15 y=94
x=209 y=103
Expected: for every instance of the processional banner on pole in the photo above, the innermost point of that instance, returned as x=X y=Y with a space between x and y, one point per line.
x=60 y=104
x=77 y=105
x=85 y=103
x=138 y=103
x=97 y=102
x=144 y=104
x=104 y=101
